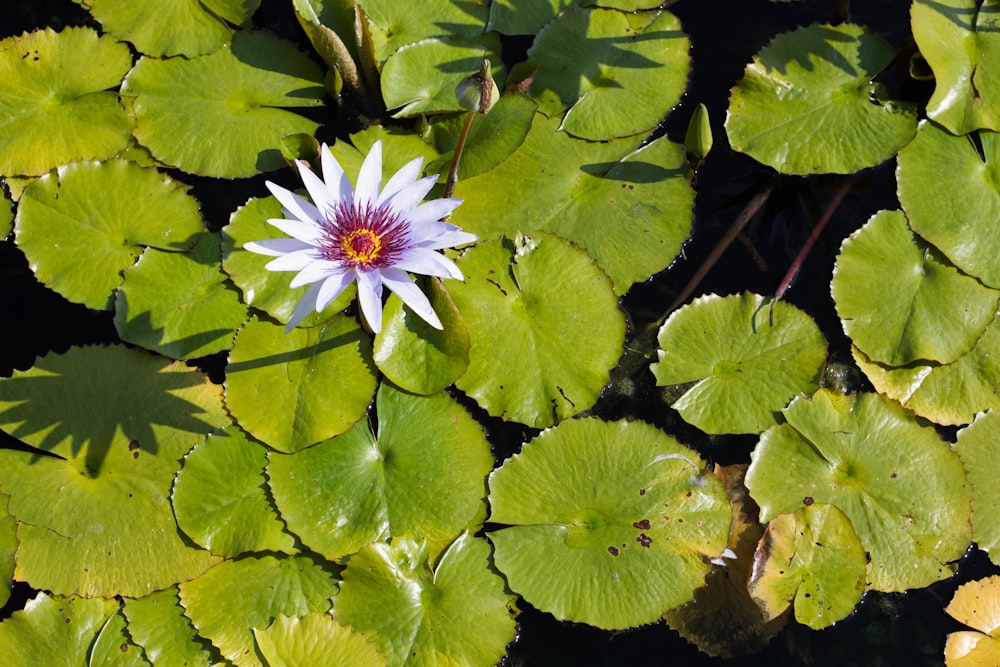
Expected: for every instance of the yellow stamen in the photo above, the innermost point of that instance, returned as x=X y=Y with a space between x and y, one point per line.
x=362 y=246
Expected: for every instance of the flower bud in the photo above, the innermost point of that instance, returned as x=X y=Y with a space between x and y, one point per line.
x=479 y=91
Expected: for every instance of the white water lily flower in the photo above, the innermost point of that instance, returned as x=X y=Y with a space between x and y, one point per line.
x=371 y=235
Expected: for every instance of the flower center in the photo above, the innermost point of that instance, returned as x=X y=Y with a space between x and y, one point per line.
x=363 y=246
x=364 y=239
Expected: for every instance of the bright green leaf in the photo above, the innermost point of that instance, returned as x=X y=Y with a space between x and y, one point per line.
x=923 y=310
x=83 y=224
x=157 y=623
x=901 y=486
x=423 y=473
x=114 y=646
x=526 y=17
x=224 y=114
x=220 y=501
x=749 y=371
x=531 y=306
x=53 y=630
x=179 y=304
x=95 y=518
x=319 y=380
x=807 y=105
x=55 y=102
x=315 y=640
x=396 y=24
x=614 y=74
x=610 y=524
x=8 y=546
x=6 y=215
x=979 y=448
x=455 y=613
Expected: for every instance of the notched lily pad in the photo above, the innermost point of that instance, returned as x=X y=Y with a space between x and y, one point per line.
x=977 y=447
x=977 y=605
x=53 y=630
x=315 y=640
x=158 y=624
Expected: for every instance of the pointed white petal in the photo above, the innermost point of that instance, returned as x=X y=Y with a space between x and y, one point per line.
x=307 y=232
x=401 y=284
x=369 y=178
x=294 y=261
x=370 y=298
x=325 y=200
x=332 y=287
x=294 y=205
x=314 y=271
x=303 y=307
x=428 y=263
x=440 y=240
x=276 y=247
x=402 y=179
x=407 y=198
x=433 y=210
x=336 y=180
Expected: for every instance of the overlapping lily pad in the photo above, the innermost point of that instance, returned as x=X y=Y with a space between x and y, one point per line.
x=422 y=473
x=613 y=74
x=977 y=605
x=315 y=640
x=8 y=545
x=455 y=611
x=53 y=630
x=94 y=518
x=157 y=623
x=745 y=370
x=113 y=646
x=977 y=447
x=173 y=27
x=959 y=39
x=641 y=196
x=320 y=379
x=609 y=524
x=900 y=485
x=56 y=105
x=807 y=105
x=954 y=208
x=225 y=113
x=532 y=304
x=83 y=224
x=526 y=17
x=179 y=304
x=924 y=310
x=395 y=25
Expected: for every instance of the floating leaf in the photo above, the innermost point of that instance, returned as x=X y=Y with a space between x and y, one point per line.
x=642 y=196
x=813 y=559
x=8 y=545
x=179 y=304
x=395 y=25
x=114 y=646
x=526 y=17
x=530 y=306
x=977 y=605
x=456 y=613
x=423 y=473
x=234 y=597
x=52 y=630
x=924 y=309
x=6 y=214
x=157 y=623
x=614 y=74
x=321 y=380
x=959 y=40
x=953 y=208
x=176 y=27
x=55 y=102
x=806 y=103
x=977 y=447
x=315 y=640
x=745 y=369
x=224 y=114
x=83 y=224
x=95 y=518
x=610 y=524
x=901 y=486
x=220 y=501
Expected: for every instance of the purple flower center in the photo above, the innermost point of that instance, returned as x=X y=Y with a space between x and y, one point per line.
x=364 y=239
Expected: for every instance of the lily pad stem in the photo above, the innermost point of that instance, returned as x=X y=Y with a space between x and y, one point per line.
x=449 y=184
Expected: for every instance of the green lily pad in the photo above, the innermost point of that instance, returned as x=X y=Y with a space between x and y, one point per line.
x=750 y=369
x=177 y=27
x=83 y=224
x=807 y=105
x=812 y=558
x=421 y=77
x=263 y=289
x=158 y=624
x=321 y=380
x=423 y=473
x=977 y=447
x=415 y=355
x=395 y=25
x=234 y=597
x=525 y=326
x=614 y=74
x=53 y=630
x=610 y=524
x=55 y=102
x=454 y=612
x=642 y=196
x=8 y=546
x=959 y=40
x=975 y=604
x=94 y=518
x=114 y=646
x=315 y=640
x=179 y=304
x=220 y=501
x=924 y=309
x=526 y=17
x=398 y=148
x=6 y=215
x=901 y=486
x=224 y=114
x=954 y=208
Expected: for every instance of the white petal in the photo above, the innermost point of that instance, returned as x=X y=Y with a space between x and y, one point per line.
x=428 y=263
x=403 y=285
x=440 y=240
x=293 y=261
x=276 y=247
x=402 y=179
x=336 y=180
x=303 y=307
x=294 y=205
x=314 y=271
x=332 y=287
x=325 y=200
x=370 y=298
x=433 y=210
x=369 y=178
x=407 y=198
x=308 y=232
